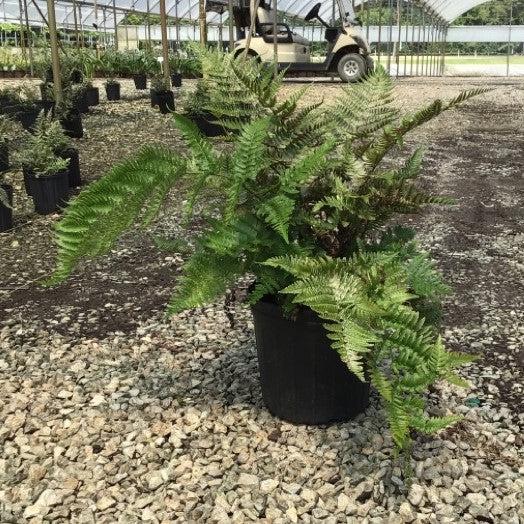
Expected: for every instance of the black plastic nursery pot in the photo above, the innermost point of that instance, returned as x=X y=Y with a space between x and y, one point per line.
x=50 y=192
x=27 y=116
x=4 y=157
x=72 y=125
x=81 y=103
x=92 y=96
x=140 y=81
x=204 y=122
x=28 y=179
x=176 y=80
x=6 y=213
x=73 y=170
x=303 y=379
x=113 y=91
x=76 y=76
x=166 y=102
x=154 y=97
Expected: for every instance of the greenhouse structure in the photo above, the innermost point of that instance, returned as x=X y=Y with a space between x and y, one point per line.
x=262 y=261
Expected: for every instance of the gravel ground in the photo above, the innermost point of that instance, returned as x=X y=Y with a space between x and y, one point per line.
x=112 y=412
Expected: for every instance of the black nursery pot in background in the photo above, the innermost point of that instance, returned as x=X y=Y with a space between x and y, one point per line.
x=76 y=76
x=154 y=97
x=27 y=116
x=72 y=125
x=303 y=379
x=204 y=122
x=176 y=80
x=113 y=91
x=81 y=102
x=140 y=81
x=73 y=171
x=166 y=102
x=50 y=193
x=6 y=213
x=92 y=96
x=4 y=157
x=28 y=179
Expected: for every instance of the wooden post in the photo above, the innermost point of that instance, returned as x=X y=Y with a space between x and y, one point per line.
x=202 y=22
x=231 y=26
x=275 y=38
x=115 y=24
x=165 y=46
x=75 y=20
x=57 y=85
x=29 y=39
x=22 y=38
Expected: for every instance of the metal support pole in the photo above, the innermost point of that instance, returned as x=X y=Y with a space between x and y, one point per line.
x=423 y=43
x=177 y=25
x=510 y=30
x=445 y=50
x=379 y=43
x=412 y=38
x=55 y=58
x=390 y=35
x=75 y=21
x=165 y=46
x=202 y=21
x=366 y=7
x=83 y=42
x=420 y=25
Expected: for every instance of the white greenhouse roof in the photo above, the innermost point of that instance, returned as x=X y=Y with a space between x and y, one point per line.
x=102 y=15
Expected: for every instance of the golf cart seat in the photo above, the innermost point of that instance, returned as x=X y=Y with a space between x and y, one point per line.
x=264 y=27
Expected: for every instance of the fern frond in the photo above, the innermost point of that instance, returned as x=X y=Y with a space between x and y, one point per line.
x=95 y=219
x=206 y=276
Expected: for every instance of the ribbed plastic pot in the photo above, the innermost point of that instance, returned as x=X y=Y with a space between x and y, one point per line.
x=73 y=171
x=6 y=213
x=72 y=125
x=50 y=193
x=113 y=91
x=176 y=80
x=140 y=81
x=204 y=122
x=4 y=157
x=303 y=379
x=92 y=96
x=166 y=102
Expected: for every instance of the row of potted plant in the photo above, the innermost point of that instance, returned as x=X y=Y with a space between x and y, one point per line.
x=48 y=161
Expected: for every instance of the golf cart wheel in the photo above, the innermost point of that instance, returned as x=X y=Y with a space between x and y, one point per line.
x=352 y=67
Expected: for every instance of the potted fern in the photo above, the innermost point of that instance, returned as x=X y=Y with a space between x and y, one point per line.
x=112 y=89
x=47 y=176
x=162 y=95
x=304 y=202
x=48 y=131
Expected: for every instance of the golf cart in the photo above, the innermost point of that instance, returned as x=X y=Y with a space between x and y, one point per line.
x=348 y=52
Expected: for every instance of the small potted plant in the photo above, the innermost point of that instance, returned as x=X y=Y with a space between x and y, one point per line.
x=162 y=95
x=306 y=201
x=48 y=176
x=21 y=103
x=69 y=117
x=78 y=96
x=112 y=89
x=48 y=131
x=6 y=127
x=90 y=64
